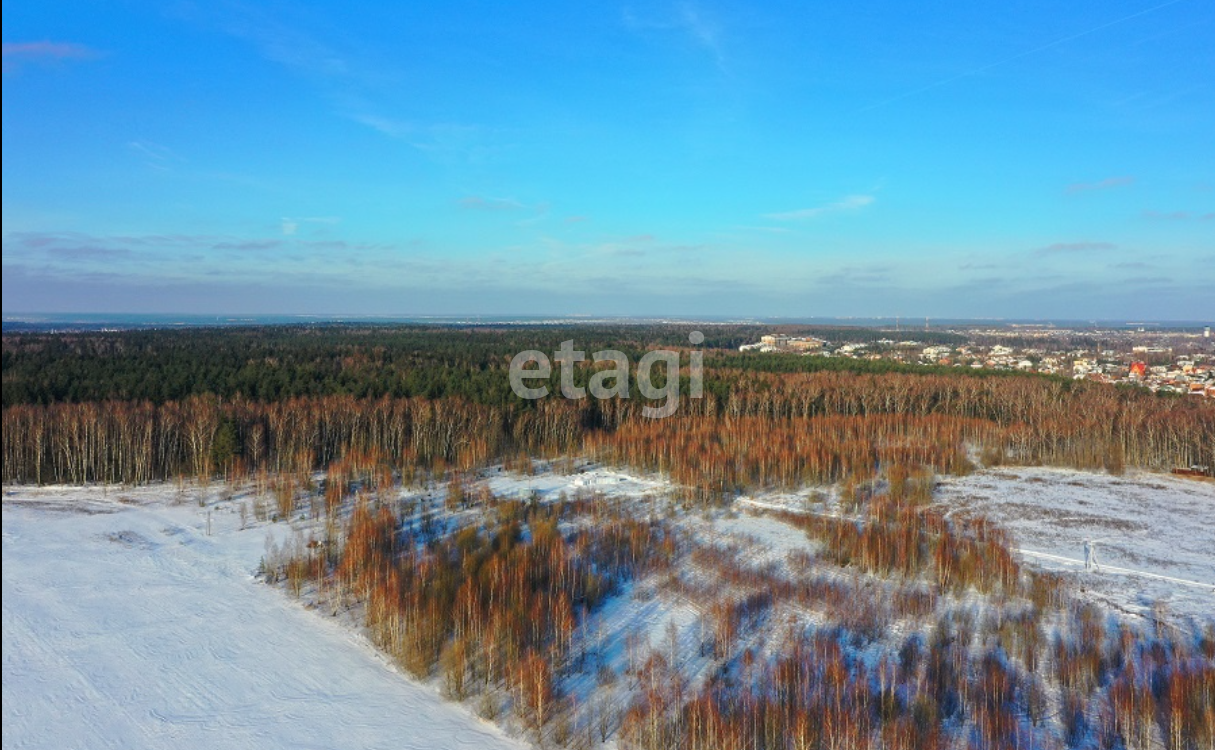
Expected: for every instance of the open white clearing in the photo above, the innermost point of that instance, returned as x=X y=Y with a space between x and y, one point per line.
x=126 y=626
x=1153 y=534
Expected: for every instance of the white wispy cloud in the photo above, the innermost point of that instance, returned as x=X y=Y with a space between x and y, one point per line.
x=691 y=21
x=484 y=203
x=706 y=32
x=284 y=43
x=17 y=54
x=1106 y=184
x=386 y=125
x=337 y=67
x=768 y=230
x=846 y=204
x=154 y=155
x=1015 y=57
x=1072 y=248
x=344 y=73
x=290 y=225
x=542 y=211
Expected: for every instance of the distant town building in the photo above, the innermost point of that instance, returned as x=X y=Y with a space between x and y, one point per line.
x=1188 y=368
x=781 y=342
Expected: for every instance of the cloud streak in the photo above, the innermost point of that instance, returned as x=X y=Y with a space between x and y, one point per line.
x=689 y=20
x=858 y=276
x=1074 y=248
x=340 y=73
x=847 y=204
x=248 y=245
x=1106 y=184
x=17 y=54
x=290 y=225
x=154 y=155
x=281 y=43
x=483 y=203
x=386 y=125
x=1014 y=58
x=705 y=32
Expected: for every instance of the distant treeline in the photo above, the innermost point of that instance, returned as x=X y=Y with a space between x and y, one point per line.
x=754 y=428
x=273 y=363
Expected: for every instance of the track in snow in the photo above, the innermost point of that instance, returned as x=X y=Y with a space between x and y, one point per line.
x=1153 y=526
x=1101 y=568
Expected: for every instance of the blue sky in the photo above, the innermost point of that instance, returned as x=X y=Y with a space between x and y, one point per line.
x=676 y=158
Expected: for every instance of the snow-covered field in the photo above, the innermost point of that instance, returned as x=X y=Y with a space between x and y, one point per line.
x=1153 y=534
x=549 y=485
x=126 y=626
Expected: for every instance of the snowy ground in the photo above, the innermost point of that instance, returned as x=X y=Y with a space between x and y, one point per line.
x=598 y=479
x=1154 y=533
x=126 y=626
